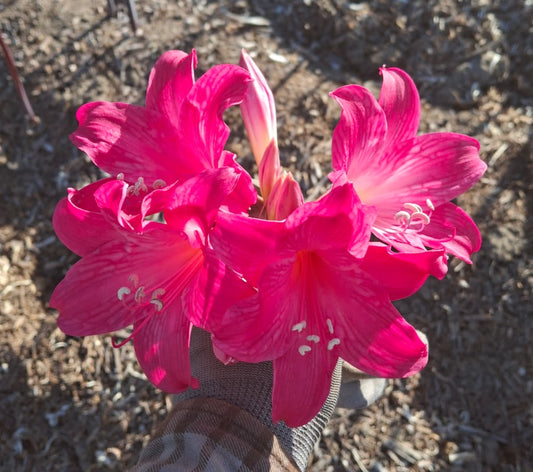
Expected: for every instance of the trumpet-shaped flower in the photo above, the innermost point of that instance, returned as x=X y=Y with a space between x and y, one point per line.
x=409 y=179
x=160 y=277
x=180 y=132
x=281 y=194
x=317 y=301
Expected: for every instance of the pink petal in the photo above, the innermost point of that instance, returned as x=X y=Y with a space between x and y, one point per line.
x=285 y=197
x=258 y=111
x=215 y=289
x=338 y=212
x=200 y=118
x=79 y=223
x=171 y=79
x=400 y=101
x=359 y=135
x=206 y=191
x=162 y=348
x=244 y=195
x=466 y=237
x=402 y=274
x=269 y=168
x=301 y=386
x=373 y=335
x=437 y=166
x=245 y=244
x=260 y=328
x=120 y=282
x=396 y=351
x=120 y=140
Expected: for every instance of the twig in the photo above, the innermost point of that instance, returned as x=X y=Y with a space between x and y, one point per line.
x=16 y=79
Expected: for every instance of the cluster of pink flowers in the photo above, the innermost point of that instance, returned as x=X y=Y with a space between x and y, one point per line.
x=169 y=241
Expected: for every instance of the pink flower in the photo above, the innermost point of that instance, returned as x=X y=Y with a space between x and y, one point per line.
x=316 y=301
x=179 y=133
x=160 y=277
x=281 y=193
x=409 y=179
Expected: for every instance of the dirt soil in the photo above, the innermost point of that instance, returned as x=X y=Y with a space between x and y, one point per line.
x=69 y=404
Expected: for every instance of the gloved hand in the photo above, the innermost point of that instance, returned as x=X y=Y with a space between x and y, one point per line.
x=249 y=387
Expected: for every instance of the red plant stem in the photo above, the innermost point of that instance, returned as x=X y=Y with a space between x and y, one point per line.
x=16 y=78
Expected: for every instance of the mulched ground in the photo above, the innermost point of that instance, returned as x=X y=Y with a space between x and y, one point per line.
x=69 y=404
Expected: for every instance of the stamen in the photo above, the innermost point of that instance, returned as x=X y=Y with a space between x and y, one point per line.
x=158 y=303
x=138 y=187
x=133 y=333
x=334 y=342
x=414 y=219
x=303 y=349
x=134 y=279
x=403 y=217
x=299 y=326
x=314 y=338
x=413 y=207
x=420 y=216
x=158 y=292
x=120 y=176
x=159 y=183
x=139 y=294
x=330 y=325
x=122 y=292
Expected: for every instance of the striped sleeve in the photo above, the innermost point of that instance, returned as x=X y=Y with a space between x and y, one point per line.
x=206 y=434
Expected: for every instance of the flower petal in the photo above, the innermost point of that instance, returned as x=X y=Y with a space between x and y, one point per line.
x=245 y=244
x=402 y=274
x=120 y=140
x=124 y=281
x=215 y=289
x=436 y=166
x=171 y=79
x=162 y=349
x=358 y=137
x=258 y=111
x=400 y=101
x=79 y=223
x=466 y=237
x=301 y=386
x=373 y=335
x=201 y=123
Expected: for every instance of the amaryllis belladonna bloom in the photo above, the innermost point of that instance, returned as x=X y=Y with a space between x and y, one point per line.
x=280 y=192
x=410 y=179
x=160 y=277
x=316 y=301
x=180 y=132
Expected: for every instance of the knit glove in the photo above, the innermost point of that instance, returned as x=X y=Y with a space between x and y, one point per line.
x=249 y=387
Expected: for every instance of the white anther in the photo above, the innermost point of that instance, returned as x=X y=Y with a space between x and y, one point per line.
x=158 y=292
x=430 y=205
x=413 y=207
x=403 y=216
x=139 y=294
x=330 y=325
x=303 y=349
x=334 y=342
x=314 y=338
x=299 y=326
x=139 y=187
x=120 y=176
x=420 y=216
x=122 y=292
x=134 y=279
x=159 y=183
x=158 y=303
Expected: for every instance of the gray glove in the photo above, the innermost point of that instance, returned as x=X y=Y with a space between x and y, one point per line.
x=249 y=386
